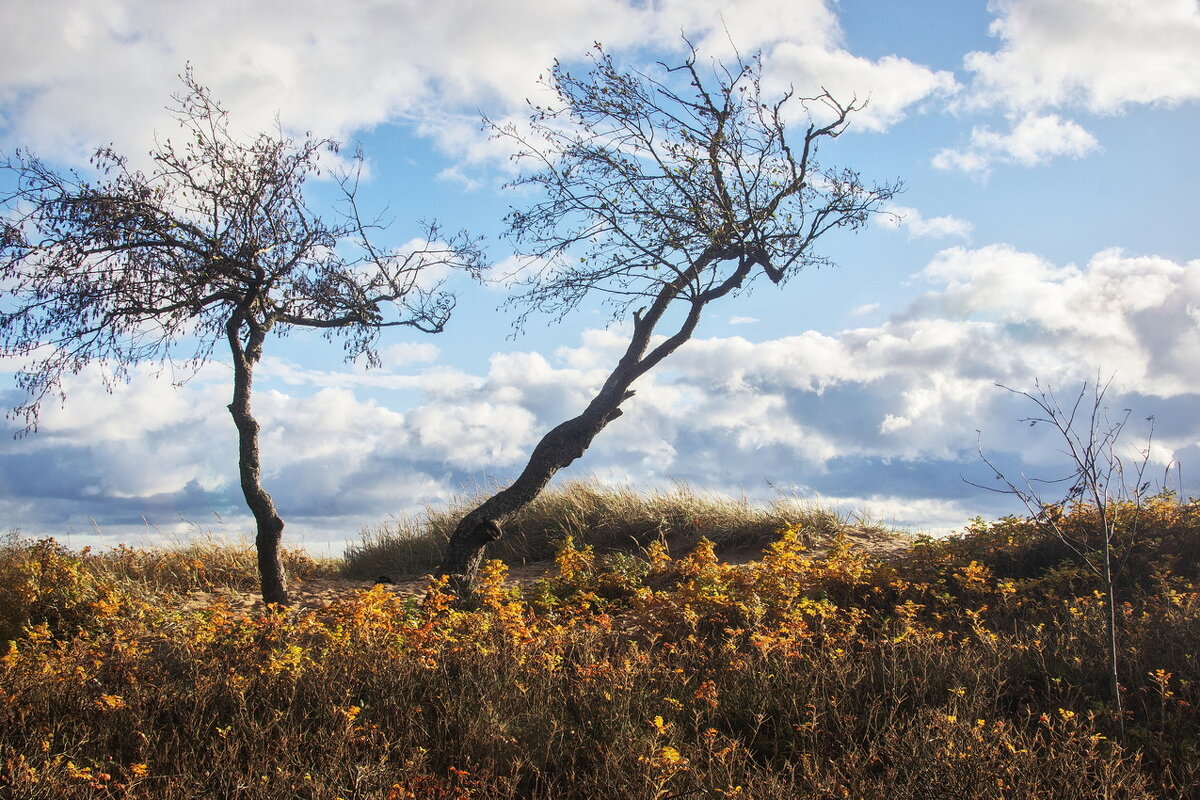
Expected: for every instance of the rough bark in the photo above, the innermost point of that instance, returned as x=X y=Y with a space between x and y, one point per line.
x=269 y=524
x=557 y=449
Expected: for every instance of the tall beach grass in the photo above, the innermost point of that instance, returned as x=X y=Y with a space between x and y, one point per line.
x=592 y=514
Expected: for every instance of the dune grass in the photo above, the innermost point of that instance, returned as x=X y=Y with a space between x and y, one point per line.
x=970 y=667
x=603 y=517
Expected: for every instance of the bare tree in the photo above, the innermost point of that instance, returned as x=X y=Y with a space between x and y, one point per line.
x=215 y=242
x=1100 y=477
x=663 y=193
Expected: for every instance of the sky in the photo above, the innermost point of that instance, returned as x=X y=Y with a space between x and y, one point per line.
x=1047 y=235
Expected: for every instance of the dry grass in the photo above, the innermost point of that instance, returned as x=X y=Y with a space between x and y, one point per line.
x=968 y=668
x=606 y=518
x=44 y=581
x=206 y=564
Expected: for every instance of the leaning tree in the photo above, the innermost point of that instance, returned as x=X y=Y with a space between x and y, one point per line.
x=662 y=192
x=215 y=241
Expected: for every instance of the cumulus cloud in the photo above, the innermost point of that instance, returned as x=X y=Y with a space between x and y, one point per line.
x=1033 y=139
x=920 y=227
x=1098 y=54
x=909 y=394
x=125 y=447
x=1076 y=56
x=1036 y=138
x=891 y=85
x=77 y=74
x=397 y=355
x=885 y=415
x=1133 y=313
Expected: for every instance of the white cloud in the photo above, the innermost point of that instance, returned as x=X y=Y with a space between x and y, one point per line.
x=883 y=418
x=318 y=427
x=455 y=174
x=920 y=227
x=1072 y=57
x=740 y=320
x=1036 y=138
x=469 y=435
x=76 y=73
x=919 y=385
x=1098 y=54
x=435 y=380
x=967 y=160
x=126 y=410
x=599 y=349
x=932 y=516
x=751 y=24
x=1033 y=139
x=891 y=85
x=144 y=437
x=1101 y=300
x=405 y=353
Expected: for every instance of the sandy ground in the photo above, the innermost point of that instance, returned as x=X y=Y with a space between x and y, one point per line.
x=316 y=593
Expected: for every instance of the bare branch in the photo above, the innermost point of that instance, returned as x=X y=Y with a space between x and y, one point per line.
x=662 y=191
x=215 y=242
x=1097 y=484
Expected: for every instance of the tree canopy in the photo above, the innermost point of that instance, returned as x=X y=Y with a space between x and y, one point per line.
x=128 y=266
x=661 y=191
x=214 y=241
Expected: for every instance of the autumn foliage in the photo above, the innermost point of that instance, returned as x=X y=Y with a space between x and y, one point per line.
x=965 y=667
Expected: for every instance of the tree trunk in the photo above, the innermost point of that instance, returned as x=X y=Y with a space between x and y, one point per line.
x=568 y=441
x=269 y=523
x=557 y=449
x=1114 y=677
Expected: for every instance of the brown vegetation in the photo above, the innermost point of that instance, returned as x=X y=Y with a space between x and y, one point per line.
x=662 y=192
x=601 y=517
x=971 y=667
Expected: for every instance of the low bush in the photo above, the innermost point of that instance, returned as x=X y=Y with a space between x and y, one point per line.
x=830 y=673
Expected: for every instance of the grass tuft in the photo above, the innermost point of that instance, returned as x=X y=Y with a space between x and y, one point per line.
x=609 y=519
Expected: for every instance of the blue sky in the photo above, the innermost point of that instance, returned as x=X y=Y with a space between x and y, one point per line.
x=1048 y=232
